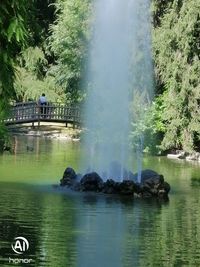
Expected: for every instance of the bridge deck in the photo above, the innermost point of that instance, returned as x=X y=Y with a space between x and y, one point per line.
x=25 y=112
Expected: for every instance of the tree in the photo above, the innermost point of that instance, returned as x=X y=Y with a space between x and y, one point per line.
x=68 y=42
x=22 y=23
x=176 y=53
x=30 y=81
x=13 y=33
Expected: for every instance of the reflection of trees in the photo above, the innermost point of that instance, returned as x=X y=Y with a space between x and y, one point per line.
x=45 y=162
x=104 y=231
x=57 y=233
x=164 y=236
x=16 y=219
x=139 y=217
x=46 y=220
x=48 y=149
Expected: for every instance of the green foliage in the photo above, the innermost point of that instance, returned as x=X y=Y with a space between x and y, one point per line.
x=3 y=130
x=159 y=8
x=41 y=15
x=33 y=59
x=30 y=82
x=54 y=63
x=13 y=34
x=176 y=54
x=139 y=125
x=68 y=42
x=22 y=22
x=147 y=126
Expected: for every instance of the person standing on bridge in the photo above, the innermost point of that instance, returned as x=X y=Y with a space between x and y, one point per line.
x=43 y=102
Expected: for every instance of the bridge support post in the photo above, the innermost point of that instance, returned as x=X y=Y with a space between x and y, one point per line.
x=39 y=116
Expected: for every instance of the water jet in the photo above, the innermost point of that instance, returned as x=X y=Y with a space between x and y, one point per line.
x=119 y=67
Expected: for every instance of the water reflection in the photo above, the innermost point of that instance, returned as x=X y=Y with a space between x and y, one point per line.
x=43 y=164
x=46 y=220
x=73 y=229
x=89 y=230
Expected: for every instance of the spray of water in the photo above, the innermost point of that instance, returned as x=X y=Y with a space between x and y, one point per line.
x=119 y=65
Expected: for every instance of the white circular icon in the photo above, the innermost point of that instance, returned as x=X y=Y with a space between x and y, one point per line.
x=20 y=245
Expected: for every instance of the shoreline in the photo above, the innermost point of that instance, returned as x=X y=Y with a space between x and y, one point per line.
x=60 y=132
x=182 y=155
x=46 y=130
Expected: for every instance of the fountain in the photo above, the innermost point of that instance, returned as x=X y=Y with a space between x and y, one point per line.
x=119 y=65
x=120 y=75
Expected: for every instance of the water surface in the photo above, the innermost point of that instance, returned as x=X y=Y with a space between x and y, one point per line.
x=86 y=230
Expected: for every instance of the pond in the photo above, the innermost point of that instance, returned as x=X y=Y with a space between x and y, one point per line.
x=87 y=230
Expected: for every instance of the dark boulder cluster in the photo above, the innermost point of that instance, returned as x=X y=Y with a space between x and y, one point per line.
x=152 y=184
x=69 y=177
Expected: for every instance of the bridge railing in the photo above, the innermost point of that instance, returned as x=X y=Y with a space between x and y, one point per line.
x=32 y=112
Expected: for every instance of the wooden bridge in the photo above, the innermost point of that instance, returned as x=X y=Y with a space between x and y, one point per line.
x=31 y=112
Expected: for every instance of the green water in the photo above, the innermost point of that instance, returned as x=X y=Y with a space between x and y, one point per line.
x=86 y=230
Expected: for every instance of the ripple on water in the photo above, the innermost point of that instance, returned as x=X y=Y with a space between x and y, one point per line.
x=83 y=230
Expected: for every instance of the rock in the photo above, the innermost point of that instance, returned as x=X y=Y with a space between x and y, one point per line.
x=152 y=184
x=69 y=177
x=178 y=155
x=166 y=187
x=76 y=186
x=91 y=182
x=145 y=175
x=155 y=186
x=193 y=156
x=131 y=176
x=127 y=187
x=110 y=187
x=154 y=180
x=79 y=176
x=128 y=175
x=149 y=174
